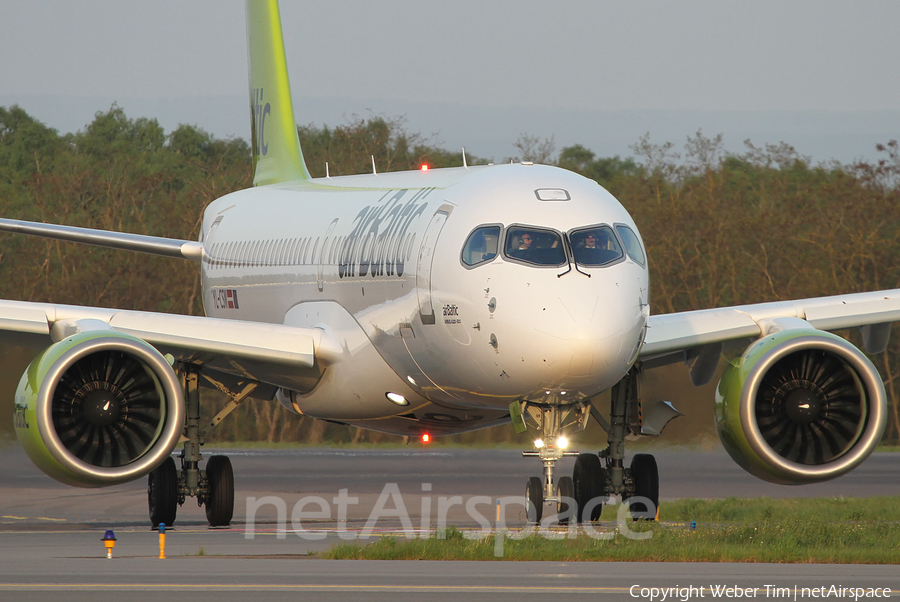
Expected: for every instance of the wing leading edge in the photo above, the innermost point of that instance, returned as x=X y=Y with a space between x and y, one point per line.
x=669 y=335
x=273 y=354
x=155 y=245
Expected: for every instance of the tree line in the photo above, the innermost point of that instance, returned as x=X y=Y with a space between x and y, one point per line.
x=720 y=228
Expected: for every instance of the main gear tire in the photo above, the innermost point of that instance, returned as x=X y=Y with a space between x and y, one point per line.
x=162 y=493
x=645 y=475
x=220 y=500
x=588 y=479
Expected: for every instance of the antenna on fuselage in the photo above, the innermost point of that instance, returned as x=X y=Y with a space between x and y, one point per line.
x=327 y=175
x=373 y=166
x=465 y=165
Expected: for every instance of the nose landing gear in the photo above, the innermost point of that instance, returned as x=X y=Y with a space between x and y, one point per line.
x=595 y=476
x=551 y=419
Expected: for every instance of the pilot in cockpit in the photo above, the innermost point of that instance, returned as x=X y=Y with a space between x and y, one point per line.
x=525 y=240
x=596 y=247
x=525 y=248
x=590 y=241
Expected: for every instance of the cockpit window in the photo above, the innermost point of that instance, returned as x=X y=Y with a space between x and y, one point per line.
x=632 y=244
x=596 y=246
x=535 y=246
x=481 y=246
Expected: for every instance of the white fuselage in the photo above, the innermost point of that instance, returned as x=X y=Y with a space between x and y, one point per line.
x=376 y=261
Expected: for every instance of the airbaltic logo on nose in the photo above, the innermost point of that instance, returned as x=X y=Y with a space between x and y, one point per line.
x=260 y=112
x=451 y=310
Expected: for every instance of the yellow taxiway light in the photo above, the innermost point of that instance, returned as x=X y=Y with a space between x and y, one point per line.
x=162 y=541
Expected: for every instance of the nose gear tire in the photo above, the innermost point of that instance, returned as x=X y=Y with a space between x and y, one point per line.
x=534 y=495
x=565 y=492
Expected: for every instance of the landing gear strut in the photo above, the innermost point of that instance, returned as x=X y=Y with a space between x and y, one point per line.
x=641 y=479
x=551 y=419
x=214 y=487
x=596 y=476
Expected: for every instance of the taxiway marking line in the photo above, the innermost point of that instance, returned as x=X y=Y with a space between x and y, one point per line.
x=301 y=586
x=321 y=587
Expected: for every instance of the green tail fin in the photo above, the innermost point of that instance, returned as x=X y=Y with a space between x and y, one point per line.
x=276 y=148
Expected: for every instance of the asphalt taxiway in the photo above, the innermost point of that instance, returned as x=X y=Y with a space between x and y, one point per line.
x=39 y=576
x=50 y=534
x=30 y=498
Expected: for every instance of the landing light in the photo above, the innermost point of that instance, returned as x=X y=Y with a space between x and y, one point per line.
x=562 y=443
x=539 y=443
x=397 y=398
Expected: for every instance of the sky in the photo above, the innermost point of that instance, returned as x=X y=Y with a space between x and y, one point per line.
x=818 y=74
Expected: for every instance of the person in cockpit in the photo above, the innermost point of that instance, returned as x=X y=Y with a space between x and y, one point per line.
x=525 y=240
x=596 y=248
x=525 y=248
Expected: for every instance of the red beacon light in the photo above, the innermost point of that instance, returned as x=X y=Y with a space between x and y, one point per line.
x=424 y=167
x=426 y=438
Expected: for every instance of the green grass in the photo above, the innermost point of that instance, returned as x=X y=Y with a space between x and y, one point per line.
x=843 y=531
x=754 y=510
x=888 y=448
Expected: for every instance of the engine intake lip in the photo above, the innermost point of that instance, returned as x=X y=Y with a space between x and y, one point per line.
x=868 y=439
x=165 y=443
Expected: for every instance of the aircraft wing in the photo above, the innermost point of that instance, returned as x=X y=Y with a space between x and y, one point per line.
x=273 y=354
x=156 y=245
x=684 y=335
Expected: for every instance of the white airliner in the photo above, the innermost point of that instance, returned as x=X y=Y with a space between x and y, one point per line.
x=437 y=302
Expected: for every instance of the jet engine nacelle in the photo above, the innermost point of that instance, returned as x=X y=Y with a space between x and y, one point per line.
x=800 y=406
x=99 y=408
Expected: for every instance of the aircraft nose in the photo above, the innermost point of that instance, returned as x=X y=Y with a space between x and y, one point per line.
x=593 y=332
x=591 y=335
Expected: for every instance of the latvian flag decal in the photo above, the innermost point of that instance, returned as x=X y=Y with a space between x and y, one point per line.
x=225 y=298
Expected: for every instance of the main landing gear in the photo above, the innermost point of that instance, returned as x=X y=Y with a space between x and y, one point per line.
x=214 y=487
x=595 y=476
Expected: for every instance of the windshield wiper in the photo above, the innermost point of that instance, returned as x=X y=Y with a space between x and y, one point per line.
x=570 y=257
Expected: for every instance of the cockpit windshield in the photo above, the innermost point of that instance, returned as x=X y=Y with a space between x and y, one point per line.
x=481 y=246
x=596 y=246
x=591 y=246
x=535 y=245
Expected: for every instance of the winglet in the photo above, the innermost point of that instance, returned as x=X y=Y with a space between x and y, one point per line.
x=276 y=148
